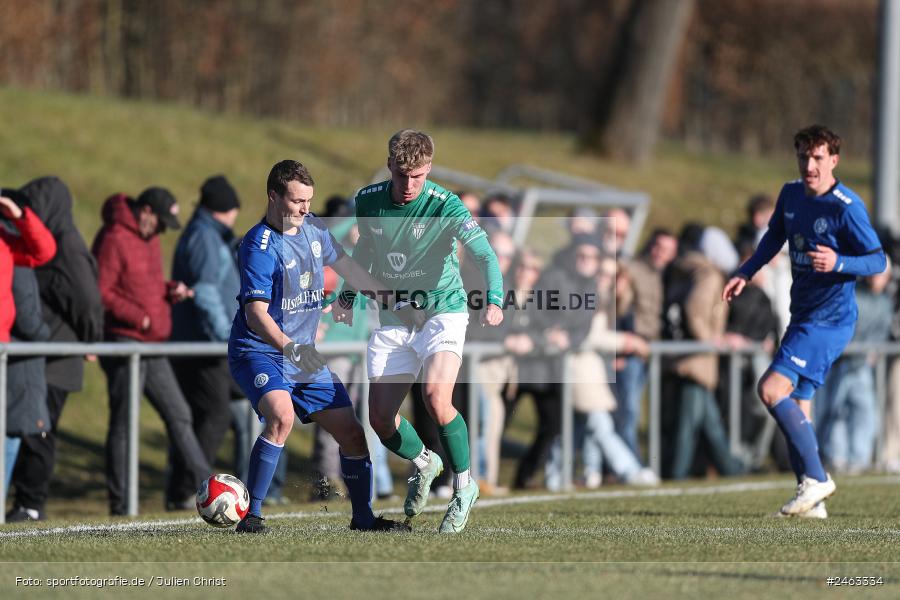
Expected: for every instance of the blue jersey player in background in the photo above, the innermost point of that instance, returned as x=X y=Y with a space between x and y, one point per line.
x=831 y=243
x=271 y=350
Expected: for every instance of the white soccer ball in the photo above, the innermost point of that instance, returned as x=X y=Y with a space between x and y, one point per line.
x=223 y=500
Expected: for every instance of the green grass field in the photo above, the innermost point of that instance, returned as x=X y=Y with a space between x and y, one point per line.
x=679 y=540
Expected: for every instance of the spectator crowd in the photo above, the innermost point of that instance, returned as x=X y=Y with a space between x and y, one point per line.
x=55 y=288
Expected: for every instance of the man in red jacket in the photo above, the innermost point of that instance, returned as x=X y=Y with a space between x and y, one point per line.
x=137 y=300
x=33 y=247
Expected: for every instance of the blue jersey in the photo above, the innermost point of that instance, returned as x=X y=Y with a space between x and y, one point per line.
x=287 y=272
x=836 y=219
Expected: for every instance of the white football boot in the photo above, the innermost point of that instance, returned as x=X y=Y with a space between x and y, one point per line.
x=809 y=493
x=816 y=512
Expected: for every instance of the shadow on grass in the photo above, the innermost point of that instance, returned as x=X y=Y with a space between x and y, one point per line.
x=81 y=465
x=80 y=470
x=690 y=571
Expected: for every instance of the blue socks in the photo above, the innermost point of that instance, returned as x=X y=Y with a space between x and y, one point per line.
x=796 y=462
x=358 y=476
x=800 y=437
x=263 y=460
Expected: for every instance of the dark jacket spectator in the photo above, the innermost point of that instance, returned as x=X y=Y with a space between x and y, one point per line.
x=71 y=306
x=205 y=261
x=559 y=330
x=545 y=367
x=26 y=409
x=32 y=247
x=70 y=298
x=131 y=280
x=751 y=315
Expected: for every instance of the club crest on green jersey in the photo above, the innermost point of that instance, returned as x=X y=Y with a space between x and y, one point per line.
x=417 y=230
x=397 y=260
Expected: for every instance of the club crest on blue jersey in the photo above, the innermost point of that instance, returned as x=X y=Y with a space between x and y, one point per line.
x=820 y=226
x=799 y=241
x=288 y=274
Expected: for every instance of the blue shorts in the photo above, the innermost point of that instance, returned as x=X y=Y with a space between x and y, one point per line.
x=807 y=352
x=258 y=373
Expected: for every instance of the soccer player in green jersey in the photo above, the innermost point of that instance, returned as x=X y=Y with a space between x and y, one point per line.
x=408 y=230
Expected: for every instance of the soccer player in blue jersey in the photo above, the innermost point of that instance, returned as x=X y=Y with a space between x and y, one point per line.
x=271 y=350
x=831 y=243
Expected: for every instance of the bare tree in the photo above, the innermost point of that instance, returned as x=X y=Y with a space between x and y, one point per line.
x=627 y=120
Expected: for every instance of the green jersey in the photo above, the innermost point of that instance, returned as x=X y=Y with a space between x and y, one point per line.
x=411 y=248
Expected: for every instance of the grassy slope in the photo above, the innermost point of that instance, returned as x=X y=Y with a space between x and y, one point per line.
x=99 y=146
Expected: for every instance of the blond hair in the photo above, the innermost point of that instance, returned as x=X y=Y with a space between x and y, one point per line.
x=410 y=149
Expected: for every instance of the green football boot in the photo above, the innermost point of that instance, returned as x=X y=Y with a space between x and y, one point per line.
x=459 y=508
x=420 y=486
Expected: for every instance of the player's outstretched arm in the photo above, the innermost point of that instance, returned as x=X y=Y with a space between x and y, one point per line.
x=261 y=322
x=357 y=277
x=485 y=259
x=733 y=288
x=491 y=315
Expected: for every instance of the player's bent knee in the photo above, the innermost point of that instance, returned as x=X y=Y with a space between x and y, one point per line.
x=278 y=428
x=773 y=387
x=438 y=392
x=278 y=411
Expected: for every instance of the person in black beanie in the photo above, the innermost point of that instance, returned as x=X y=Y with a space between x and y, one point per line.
x=205 y=260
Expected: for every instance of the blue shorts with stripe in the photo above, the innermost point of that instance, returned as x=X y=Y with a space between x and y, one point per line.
x=258 y=373
x=807 y=352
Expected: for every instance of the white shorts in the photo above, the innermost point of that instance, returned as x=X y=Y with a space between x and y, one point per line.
x=393 y=350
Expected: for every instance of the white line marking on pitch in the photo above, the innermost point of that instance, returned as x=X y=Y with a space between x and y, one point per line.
x=730 y=488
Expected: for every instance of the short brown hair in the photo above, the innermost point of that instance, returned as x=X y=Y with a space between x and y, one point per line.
x=760 y=203
x=816 y=135
x=287 y=171
x=410 y=149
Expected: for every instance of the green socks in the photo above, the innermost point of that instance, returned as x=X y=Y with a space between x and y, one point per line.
x=406 y=443
x=455 y=440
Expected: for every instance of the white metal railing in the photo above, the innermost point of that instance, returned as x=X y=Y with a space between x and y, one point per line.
x=475 y=352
